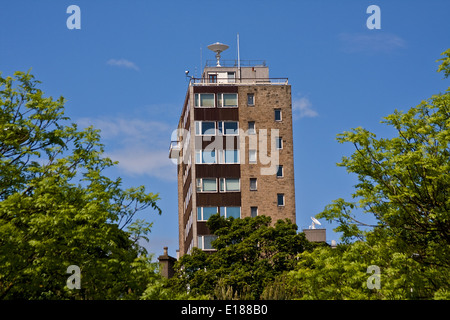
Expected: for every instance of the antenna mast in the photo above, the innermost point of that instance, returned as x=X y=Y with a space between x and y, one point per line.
x=201 y=63
x=238 y=57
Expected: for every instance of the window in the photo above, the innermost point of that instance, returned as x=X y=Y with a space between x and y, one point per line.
x=227 y=99
x=204 y=213
x=280 y=199
x=229 y=184
x=251 y=99
x=205 y=128
x=205 y=156
x=228 y=127
x=204 y=100
x=251 y=156
x=253 y=211
x=205 y=242
x=206 y=185
x=213 y=78
x=253 y=184
x=228 y=212
x=277 y=114
x=251 y=127
x=228 y=156
x=280 y=172
x=279 y=142
x=230 y=76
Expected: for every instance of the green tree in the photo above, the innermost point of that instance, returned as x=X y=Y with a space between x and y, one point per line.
x=57 y=208
x=404 y=182
x=250 y=254
x=344 y=272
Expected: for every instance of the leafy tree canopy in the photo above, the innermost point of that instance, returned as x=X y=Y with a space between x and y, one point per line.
x=250 y=254
x=57 y=208
x=404 y=182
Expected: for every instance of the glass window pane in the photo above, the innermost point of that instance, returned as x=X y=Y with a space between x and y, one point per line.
x=251 y=127
x=279 y=171
x=232 y=184
x=207 y=100
x=196 y=99
x=209 y=156
x=227 y=156
x=253 y=211
x=200 y=242
x=208 y=241
x=222 y=211
x=198 y=158
x=234 y=212
x=253 y=184
x=236 y=156
x=209 y=184
x=231 y=156
x=220 y=127
x=229 y=99
x=208 y=128
x=277 y=115
x=250 y=99
x=197 y=128
x=208 y=212
x=252 y=156
x=230 y=127
x=199 y=213
x=280 y=199
x=279 y=143
x=222 y=184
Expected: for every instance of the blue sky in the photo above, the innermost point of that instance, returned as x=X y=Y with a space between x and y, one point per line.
x=123 y=72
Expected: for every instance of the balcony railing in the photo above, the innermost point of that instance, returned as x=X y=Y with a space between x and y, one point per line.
x=237 y=81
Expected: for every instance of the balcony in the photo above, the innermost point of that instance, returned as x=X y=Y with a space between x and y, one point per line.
x=174 y=150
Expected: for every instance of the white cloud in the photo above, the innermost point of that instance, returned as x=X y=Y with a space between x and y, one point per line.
x=302 y=108
x=141 y=146
x=126 y=131
x=371 y=42
x=123 y=63
x=137 y=160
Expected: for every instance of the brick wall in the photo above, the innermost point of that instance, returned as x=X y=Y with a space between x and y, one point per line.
x=267 y=99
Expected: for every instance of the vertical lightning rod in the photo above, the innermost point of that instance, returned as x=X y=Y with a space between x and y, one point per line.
x=238 y=57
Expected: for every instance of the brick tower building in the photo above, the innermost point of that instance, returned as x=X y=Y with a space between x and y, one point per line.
x=233 y=147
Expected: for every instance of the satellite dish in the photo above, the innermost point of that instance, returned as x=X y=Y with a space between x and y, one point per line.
x=218 y=48
x=314 y=222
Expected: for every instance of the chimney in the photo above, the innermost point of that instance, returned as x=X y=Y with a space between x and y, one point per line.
x=167 y=263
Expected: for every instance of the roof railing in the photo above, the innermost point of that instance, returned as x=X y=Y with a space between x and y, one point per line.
x=236 y=63
x=237 y=81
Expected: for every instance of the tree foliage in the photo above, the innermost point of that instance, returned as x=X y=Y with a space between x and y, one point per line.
x=404 y=183
x=57 y=208
x=250 y=254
